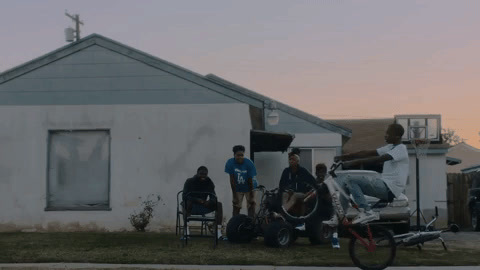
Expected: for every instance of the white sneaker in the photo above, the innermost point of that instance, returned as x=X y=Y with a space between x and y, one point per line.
x=335 y=242
x=301 y=227
x=365 y=217
x=219 y=234
x=333 y=222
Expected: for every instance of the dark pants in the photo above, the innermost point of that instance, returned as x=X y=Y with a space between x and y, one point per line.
x=193 y=208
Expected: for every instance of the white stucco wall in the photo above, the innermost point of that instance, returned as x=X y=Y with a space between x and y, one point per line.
x=317 y=140
x=154 y=148
x=433 y=188
x=270 y=166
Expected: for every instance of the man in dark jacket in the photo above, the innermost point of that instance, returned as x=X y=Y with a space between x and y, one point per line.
x=294 y=184
x=296 y=177
x=196 y=198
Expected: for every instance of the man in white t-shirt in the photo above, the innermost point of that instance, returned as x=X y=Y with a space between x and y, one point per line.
x=388 y=185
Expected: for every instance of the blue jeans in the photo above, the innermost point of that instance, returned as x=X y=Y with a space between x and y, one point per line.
x=359 y=186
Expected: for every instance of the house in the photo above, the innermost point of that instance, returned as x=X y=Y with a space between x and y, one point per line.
x=369 y=134
x=91 y=129
x=472 y=169
x=469 y=155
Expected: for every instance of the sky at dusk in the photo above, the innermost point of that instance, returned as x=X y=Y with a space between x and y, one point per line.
x=331 y=58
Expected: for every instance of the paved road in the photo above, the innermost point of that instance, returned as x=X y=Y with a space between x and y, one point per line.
x=41 y=266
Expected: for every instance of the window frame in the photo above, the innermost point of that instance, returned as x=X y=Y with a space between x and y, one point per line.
x=78 y=208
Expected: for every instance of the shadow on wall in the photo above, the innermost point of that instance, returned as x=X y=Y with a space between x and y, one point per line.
x=180 y=161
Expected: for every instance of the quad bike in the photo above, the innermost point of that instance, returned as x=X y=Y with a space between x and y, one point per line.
x=276 y=219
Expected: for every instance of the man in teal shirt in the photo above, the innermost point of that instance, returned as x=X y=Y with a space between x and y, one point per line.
x=242 y=180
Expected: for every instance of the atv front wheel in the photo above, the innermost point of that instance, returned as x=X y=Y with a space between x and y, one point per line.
x=240 y=229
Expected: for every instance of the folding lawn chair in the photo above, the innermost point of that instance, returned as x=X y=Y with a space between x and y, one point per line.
x=183 y=220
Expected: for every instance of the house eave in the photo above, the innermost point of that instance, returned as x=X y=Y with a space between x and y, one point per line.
x=474 y=168
x=281 y=106
x=453 y=161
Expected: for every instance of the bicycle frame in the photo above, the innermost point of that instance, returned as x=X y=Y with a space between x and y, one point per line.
x=333 y=187
x=374 y=239
x=418 y=238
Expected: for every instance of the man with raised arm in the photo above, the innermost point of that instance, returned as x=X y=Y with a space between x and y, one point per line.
x=388 y=185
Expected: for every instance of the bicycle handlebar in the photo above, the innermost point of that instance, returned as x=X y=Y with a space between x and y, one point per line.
x=334 y=167
x=265 y=190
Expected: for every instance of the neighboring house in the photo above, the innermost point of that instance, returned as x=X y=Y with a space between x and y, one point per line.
x=472 y=169
x=92 y=128
x=469 y=155
x=369 y=134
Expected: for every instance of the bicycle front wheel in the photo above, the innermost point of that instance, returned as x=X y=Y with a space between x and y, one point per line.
x=300 y=206
x=373 y=252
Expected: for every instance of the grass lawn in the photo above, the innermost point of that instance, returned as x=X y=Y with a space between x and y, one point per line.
x=158 y=248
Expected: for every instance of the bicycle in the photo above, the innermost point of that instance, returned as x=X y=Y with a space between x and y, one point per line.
x=420 y=237
x=371 y=247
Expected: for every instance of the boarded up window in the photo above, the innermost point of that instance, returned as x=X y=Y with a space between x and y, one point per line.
x=78 y=170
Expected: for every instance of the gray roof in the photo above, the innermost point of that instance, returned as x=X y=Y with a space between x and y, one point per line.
x=209 y=81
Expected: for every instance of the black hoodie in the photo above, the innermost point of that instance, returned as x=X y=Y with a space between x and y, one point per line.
x=296 y=181
x=194 y=184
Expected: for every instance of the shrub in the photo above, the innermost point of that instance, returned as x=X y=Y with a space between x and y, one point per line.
x=142 y=219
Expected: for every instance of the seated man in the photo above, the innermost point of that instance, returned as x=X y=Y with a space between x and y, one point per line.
x=197 y=204
x=388 y=185
x=295 y=182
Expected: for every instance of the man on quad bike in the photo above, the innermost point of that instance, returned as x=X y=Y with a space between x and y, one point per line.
x=295 y=183
x=295 y=188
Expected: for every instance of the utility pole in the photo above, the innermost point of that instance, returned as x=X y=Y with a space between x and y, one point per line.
x=76 y=19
